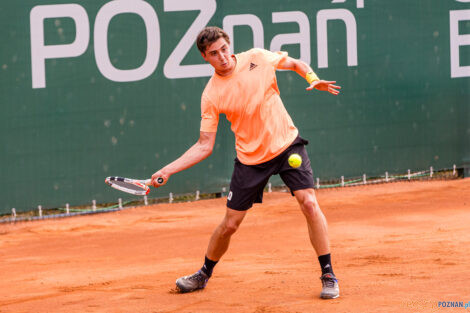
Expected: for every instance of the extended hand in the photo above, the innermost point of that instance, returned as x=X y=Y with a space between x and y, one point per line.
x=325 y=86
x=157 y=175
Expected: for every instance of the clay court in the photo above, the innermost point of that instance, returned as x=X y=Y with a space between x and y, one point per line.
x=398 y=247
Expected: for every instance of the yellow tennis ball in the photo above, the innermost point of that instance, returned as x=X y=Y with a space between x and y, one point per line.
x=295 y=160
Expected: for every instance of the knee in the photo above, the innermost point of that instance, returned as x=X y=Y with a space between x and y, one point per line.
x=310 y=208
x=229 y=228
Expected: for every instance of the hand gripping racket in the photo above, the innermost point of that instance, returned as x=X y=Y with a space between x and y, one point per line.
x=132 y=186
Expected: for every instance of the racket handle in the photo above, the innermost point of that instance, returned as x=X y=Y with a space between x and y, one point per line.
x=159 y=180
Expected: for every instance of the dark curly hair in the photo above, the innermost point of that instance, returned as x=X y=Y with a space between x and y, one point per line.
x=208 y=36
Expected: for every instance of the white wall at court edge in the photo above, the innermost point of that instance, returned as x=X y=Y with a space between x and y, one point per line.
x=104 y=16
x=41 y=52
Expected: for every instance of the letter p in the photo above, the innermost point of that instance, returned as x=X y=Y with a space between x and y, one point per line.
x=41 y=52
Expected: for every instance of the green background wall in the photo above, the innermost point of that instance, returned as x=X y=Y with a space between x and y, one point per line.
x=399 y=108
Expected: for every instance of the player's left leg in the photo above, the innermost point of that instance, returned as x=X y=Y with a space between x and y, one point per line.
x=316 y=222
x=318 y=233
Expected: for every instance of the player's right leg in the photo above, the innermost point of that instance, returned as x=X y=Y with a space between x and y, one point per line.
x=218 y=245
x=246 y=188
x=220 y=239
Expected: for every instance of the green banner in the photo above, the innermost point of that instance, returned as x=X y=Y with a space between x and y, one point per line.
x=91 y=89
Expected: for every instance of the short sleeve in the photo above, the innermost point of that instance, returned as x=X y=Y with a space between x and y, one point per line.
x=274 y=58
x=209 y=115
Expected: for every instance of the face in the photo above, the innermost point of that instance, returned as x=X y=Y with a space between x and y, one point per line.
x=219 y=56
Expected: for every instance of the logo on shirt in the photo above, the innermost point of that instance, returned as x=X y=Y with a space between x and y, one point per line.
x=252 y=66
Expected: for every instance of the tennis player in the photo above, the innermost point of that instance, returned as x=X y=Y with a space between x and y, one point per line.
x=244 y=88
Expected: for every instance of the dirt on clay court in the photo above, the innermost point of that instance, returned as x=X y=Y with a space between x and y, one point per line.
x=398 y=247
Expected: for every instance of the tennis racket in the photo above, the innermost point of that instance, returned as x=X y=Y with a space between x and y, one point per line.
x=129 y=185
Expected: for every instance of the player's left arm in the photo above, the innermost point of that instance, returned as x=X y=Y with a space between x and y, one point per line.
x=304 y=70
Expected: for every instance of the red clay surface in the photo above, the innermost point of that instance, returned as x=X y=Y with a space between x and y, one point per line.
x=398 y=247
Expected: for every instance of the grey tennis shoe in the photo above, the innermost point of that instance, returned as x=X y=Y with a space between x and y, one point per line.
x=192 y=282
x=330 y=288
x=199 y=280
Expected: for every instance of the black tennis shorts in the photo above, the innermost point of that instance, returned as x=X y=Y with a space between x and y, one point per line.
x=248 y=181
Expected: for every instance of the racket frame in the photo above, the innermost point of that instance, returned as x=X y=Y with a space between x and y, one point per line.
x=142 y=184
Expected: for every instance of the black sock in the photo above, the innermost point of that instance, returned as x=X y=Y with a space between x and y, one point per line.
x=325 y=263
x=208 y=266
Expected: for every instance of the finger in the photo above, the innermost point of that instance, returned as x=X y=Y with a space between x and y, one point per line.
x=154 y=180
x=334 y=86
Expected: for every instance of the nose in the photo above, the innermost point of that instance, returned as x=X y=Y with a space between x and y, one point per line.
x=221 y=57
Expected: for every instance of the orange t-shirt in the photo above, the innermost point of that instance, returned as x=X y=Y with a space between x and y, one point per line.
x=249 y=97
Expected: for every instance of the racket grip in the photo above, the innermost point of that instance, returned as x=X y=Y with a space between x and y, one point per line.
x=159 y=180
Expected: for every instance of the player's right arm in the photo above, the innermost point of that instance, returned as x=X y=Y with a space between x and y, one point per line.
x=198 y=152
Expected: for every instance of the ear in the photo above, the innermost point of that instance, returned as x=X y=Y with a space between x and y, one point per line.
x=203 y=54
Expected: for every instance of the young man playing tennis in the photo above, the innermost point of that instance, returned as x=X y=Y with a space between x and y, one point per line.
x=244 y=88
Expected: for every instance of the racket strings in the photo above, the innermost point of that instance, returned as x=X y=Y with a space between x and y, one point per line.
x=128 y=186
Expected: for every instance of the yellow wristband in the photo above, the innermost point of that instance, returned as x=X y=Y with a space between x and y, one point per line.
x=311 y=77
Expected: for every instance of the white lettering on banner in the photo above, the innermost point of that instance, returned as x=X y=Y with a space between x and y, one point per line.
x=359 y=3
x=104 y=16
x=250 y=20
x=173 y=67
x=41 y=52
x=302 y=37
x=457 y=40
x=323 y=17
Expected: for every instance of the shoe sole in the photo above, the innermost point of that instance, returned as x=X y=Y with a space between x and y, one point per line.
x=182 y=290
x=329 y=297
